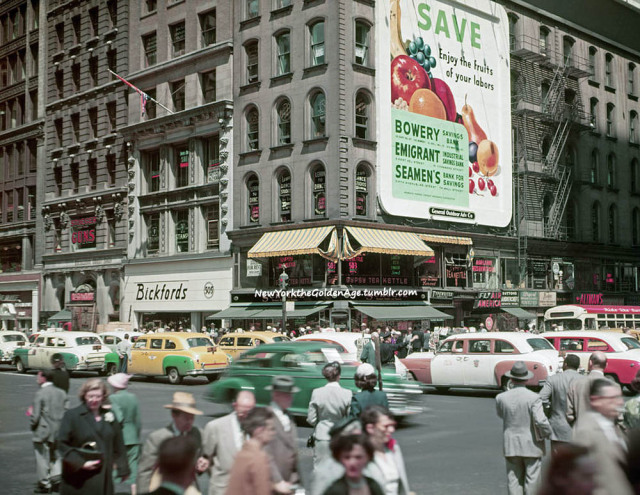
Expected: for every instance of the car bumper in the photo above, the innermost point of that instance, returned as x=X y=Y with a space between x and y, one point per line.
x=89 y=367
x=405 y=401
x=206 y=372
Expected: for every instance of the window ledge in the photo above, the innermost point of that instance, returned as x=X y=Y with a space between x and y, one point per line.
x=92 y=41
x=148 y=14
x=321 y=139
x=595 y=132
x=365 y=143
x=288 y=222
x=593 y=83
x=254 y=86
x=282 y=78
x=363 y=69
x=315 y=70
x=247 y=23
x=370 y=3
x=57 y=55
x=111 y=33
x=282 y=147
x=632 y=97
x=246 y=154
x=282 y=11
x=173 y=3
x=75 y=49
x=609 y=89
x=250 y=226
x=612 y=138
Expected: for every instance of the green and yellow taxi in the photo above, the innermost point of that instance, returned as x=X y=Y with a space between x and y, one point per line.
x=236 y=343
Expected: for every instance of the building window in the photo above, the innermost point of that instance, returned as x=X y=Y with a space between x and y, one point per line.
x=610 y=117
x=75 y=177
x=280 y=4
x=177 y=32
x=112 y=116
x=35 y=9
x=150 y=6
x=111 y=233
x=59 y=132
x=32 y=149
x=208 y=28
x=318 y=115
x=151 y=160
x=10 y=212
x=284 y=121
x=253 y=129
x=363 y=104
x=59 y=83
x=75 y=126
x=593 y=111
x=20 y=204
x=635 y=227
x=60 y=36
x=567 y=50
x=595 y=222
x=362 y=43
x=543 y=41
x=92 y=167
x=362 y=190
x=253 y=8
x=112 y=62
x=283 y=45
x=611 y=171
x=208 y=83
x=211 y=159
x=608 y=70
x=111 y=170
x=150 y=47
x=75 y=23
x=112 y=7
x=31 y=203
x=284 y=196
x=182 y=166
x=316 y=32
x=150 y=108
x=592 y=61
x=57 y=179
x=634 y=176
x=253 y=199
x=94 y=21
x=93 y=122
x=212 y=216
x=182 y=231
x=633 y=126
x=251 y=52
x=153 y=232
x=612 y=224
x=631 y=79
x=319 y=185
x=593 y=171
x=75 y=77
x=178 y=95
x=93 y=71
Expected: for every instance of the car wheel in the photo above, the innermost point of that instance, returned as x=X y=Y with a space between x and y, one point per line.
x=442 y=390
x=20 y=367
x=111 y=369
x=174 y=376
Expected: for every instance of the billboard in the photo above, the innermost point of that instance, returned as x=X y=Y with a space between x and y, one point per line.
x=444 y=110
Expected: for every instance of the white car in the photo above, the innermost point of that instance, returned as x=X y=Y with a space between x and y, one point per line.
x=480 y=360
x=81 y=351
x=351 y=343
x=112 y=339
x=9 y=340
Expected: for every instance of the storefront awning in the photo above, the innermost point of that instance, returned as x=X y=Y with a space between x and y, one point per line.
x=446 y=239
x=520 y=313
x=64 y=315
x=382 y=241
x=299 y=312
x=296 y=242
x=417 y=311
x=238 y=311
x=265 y=311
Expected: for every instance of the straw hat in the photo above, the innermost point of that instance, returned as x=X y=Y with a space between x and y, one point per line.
x=119 y=380
x=184 y=401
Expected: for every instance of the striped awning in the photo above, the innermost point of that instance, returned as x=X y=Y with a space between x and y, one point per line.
x=296 y=242
x=446 y=239
x=382 y=241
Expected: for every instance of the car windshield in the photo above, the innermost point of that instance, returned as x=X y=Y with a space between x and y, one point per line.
x=540 y=344
x=564 y=324
x=631 y=343
x=281 y=339
x=88 y=341
x=14 y=338
x=199 y=342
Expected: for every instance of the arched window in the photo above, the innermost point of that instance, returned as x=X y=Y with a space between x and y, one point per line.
x=253 y=199
x=631 y=79
x=634 y=176
x=317 y=104
x=316 y=38
x=611 y=171
x=593 y=52
x=595 y=222
x=319 y=190
x=635 y=227
x=283 y=52
x=633 y=126
x=362 y=190
x=567 y=50
x=544 y=92
x=594 y=171
x=544 y=40
x=283 y=111
x=608 y=70
x=362 y=43
x=284 y=195
x=251 y=60
x=613 y=218
x=363 y=106
x=570 y=157
x=253 y=129
x=610 y=116
x=593 y=110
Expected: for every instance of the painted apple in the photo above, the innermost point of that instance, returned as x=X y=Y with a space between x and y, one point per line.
x=406 y=77
x=441 y=88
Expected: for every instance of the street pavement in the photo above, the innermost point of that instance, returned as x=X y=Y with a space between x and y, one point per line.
x=454 y=447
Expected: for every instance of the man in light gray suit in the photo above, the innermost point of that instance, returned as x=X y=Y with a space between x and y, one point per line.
x=596 y=429
x=524 y=429
x=554 y=399
x=578 y=395
x=46 y=415
x=222 y=439
x=328 y=405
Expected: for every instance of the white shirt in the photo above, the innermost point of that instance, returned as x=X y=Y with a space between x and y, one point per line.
x=285 y=420
x=238 y=434
x=387 y=464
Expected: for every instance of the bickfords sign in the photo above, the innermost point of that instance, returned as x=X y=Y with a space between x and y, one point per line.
x=161 y=292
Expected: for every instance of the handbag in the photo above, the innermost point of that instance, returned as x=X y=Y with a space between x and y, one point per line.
x=89 y=452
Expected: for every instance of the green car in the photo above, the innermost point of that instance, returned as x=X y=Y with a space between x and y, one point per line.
x=303 y=361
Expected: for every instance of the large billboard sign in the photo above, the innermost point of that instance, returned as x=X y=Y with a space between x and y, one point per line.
x=445 y=112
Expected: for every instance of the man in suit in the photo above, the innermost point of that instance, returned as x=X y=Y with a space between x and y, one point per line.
x=183 y=412
x=387 y=349
x=328 y=405
x=554 y=399
x=578 y=396
x=46 y=415
x=177 y=458
x=284 y=446
x=369 y=351
x=124 y=351
x=524 y=429
x=596 y=429
x=125 y=407
x=60 y=373
x=223 y=439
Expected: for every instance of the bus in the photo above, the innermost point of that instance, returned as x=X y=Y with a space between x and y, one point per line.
x=585 y=317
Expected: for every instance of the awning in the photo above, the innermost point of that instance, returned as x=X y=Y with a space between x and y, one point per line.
x=296 y=242
x=265 y=311
x=64 y=315
x=446 y=239
x=299 y=312
x=416 y=311
x=520 y=313
x=235 y=311
x=382 y=241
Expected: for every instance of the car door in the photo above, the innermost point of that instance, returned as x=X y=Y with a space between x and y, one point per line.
x=155 y=356
x=243 y=344
x=37 y=352
x=226 y=344
x=446 y=367
x=139 y=356
x=478 y=363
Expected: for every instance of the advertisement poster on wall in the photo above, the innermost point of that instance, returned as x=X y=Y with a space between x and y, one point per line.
x=446 y=153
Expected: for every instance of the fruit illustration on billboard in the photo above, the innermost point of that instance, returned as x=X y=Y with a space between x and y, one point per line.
x=449 y=147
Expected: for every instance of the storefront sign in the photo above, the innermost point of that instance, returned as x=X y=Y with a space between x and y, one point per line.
x=488 y=300
x=456 y=276
x=547 y=299
x=9 y=298
x=254 y=268
x=161 y=292
x=528 y=299
x=510 y=299
x=82 y=296
x=83 y=232
x=486 y=265
x=590 y=299
x=441 y=295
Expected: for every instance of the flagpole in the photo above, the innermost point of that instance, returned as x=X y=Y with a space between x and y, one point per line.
x=139 y=91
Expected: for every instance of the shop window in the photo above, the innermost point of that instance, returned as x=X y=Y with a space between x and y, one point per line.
x=150 y=47
x=181 y=218
x=455 y=269
x=283 y=46
x=181 y=168
x=83 y=233
x=253 y=199
x=316 y=33
x=151 y=161
x=608 y=70
x=362 y=190
x=283 y=111
x=284 y=196
x=208 y=27
x=253 y=129
x=211 y=159
x=213 y=221
x=485 y=272
x=510 y=273
x=318 y=115
x=252 y=58
x=208 y=84
x=178 y=95
x=319 y=190
x=153 y=233
x=362 y=43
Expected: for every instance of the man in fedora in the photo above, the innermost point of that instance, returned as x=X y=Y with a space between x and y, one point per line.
x=524 y=447
x=183 y=412
x=284 y=446
x=126 y=409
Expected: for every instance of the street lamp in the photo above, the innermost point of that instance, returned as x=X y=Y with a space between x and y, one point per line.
x=284 y=279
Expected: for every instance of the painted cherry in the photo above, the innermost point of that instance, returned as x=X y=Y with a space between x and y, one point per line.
x=471 y=186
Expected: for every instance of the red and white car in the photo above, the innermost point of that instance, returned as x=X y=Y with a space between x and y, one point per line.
x=480 y=360
x=623 y=351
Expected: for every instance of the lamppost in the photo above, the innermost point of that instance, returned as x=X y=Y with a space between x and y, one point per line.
x=284 y=279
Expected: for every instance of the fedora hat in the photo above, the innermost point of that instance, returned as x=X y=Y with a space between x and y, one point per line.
x=184 y=401
x=519 y=371
x=283 y=383
x=119 y=380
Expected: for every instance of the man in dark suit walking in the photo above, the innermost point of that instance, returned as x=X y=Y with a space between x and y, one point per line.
x=60 y=373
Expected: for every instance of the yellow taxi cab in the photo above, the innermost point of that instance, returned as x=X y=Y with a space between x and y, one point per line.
x=236 y=343
x=176 y=355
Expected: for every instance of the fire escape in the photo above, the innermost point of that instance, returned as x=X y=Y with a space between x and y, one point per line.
x=541 y=109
